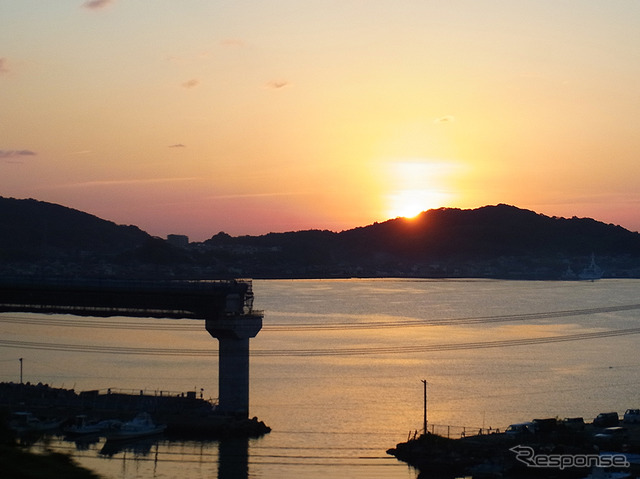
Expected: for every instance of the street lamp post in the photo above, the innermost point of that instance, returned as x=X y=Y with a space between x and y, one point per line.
x=424 y=422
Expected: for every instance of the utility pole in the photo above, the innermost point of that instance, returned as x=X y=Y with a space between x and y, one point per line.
x=424 y=424
x=20 y=370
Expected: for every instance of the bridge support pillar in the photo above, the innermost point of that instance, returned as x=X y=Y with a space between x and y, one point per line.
x=233 y=334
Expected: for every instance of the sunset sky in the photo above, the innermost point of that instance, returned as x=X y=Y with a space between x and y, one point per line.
x=200 y=116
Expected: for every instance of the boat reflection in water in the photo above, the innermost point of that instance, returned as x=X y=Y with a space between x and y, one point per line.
x=141 y=437
x=233 y=453
x=137 y=435
x=137 y=446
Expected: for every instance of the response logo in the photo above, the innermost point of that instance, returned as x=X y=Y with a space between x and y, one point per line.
x=528 y=456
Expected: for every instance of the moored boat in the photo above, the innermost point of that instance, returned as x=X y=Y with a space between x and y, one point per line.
x=83 y=426
x=140 y=426
x=25 y=422
x=591 y=272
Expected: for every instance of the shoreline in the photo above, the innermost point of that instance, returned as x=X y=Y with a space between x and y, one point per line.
x=184 y=414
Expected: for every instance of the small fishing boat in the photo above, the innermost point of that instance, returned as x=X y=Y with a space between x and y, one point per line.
x=24 y=422
x=82 y=426
x=140 y=426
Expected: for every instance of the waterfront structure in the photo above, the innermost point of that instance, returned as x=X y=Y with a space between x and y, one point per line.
x=180 y=241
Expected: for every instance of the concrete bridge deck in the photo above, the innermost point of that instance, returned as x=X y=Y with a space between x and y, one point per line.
x=156 y=299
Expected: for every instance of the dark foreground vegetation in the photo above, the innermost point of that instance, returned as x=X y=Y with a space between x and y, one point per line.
x=17 y=462
x=501 y=241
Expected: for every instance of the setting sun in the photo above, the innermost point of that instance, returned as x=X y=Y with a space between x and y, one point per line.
x=410 y=203
x=417 y=185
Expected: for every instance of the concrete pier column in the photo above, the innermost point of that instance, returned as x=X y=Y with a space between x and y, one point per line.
x=233 y=334
x=233 y=381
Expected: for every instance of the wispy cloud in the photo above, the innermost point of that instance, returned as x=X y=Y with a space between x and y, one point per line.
x=16 y=153
x=3 y=66
x=277 y=84
x=124 y=182
x=232 y=42
x=97 y=4
x=178 y=145
x=445 y=119
x=191 y=83
x=256 y=195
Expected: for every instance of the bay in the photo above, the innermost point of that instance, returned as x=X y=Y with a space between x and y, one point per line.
x=337 y=370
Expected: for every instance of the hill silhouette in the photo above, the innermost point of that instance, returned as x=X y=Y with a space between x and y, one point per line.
x=43 y=238
x=33 y=229
x=493 y=241
x=500 y=230
x=498 y=241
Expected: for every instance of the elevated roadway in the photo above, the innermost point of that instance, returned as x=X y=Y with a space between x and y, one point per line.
x=226 y=306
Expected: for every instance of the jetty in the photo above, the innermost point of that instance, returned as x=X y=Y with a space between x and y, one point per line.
x=546 y=448
x=185 y=414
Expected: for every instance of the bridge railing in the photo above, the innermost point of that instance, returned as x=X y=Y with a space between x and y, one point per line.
x=173 y=285
x=118 y=395
x=454 y=432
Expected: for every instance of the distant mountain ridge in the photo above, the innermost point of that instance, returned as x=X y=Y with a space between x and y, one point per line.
x=500 y=230
x=30 y=228
x=498 y=241
x=486 y=231
x=494 y=241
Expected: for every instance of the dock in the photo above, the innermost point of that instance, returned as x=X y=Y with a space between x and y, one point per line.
x=185 y=414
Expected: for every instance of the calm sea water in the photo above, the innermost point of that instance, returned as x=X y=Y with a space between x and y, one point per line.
x=337 y=369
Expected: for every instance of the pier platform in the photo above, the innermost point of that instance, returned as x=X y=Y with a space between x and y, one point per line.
x=185 y=414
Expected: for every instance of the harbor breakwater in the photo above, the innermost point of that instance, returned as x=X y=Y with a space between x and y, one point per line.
x=558 y=450
x=184 y=414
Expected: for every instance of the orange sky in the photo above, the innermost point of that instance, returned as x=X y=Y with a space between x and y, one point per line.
x=196 y=117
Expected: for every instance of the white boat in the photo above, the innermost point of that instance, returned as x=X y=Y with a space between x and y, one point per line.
x=25 y=422
x=140 y=426
x=82 y=426
x=591 y=272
